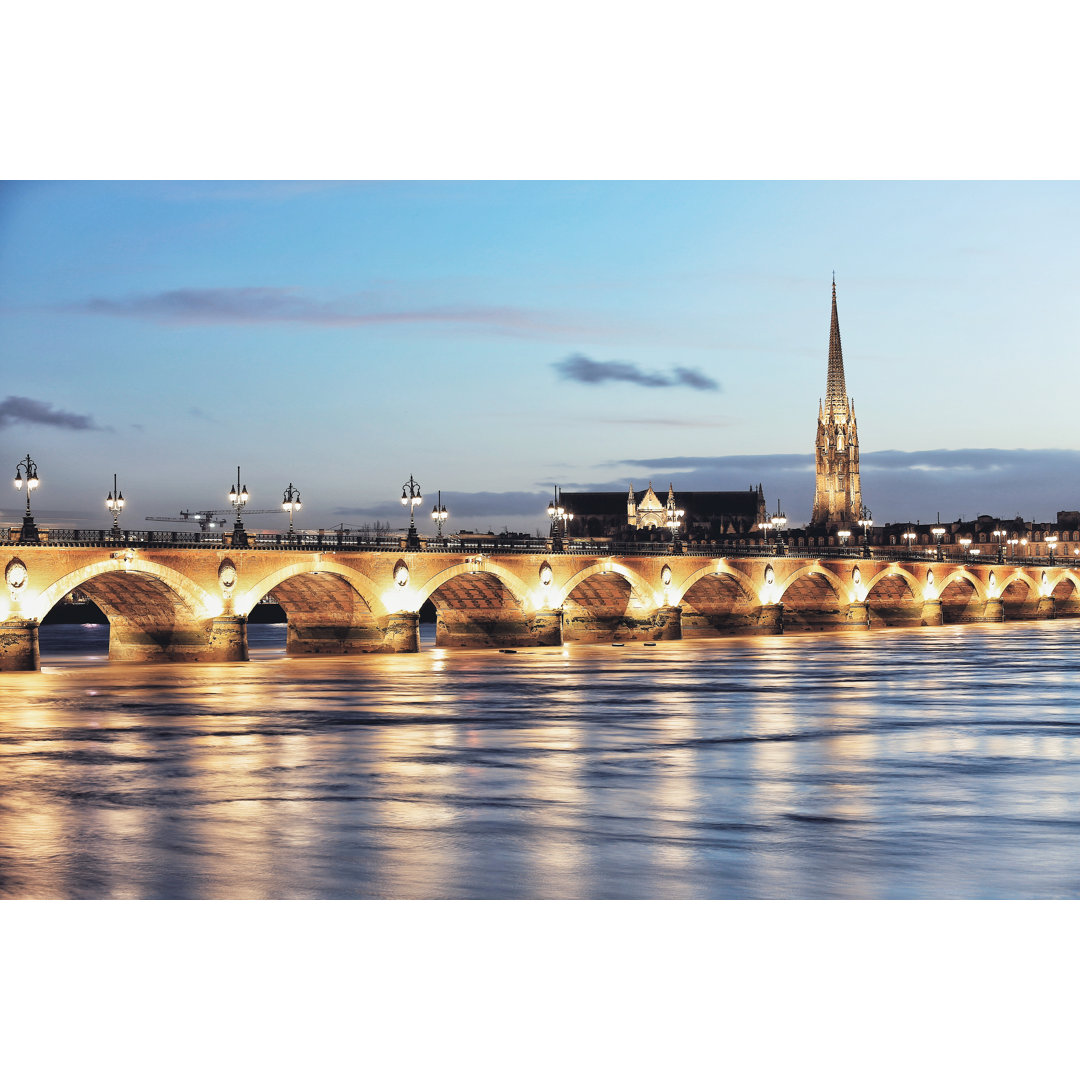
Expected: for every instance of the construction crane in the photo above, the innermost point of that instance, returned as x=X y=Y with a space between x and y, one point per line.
x=209 y=519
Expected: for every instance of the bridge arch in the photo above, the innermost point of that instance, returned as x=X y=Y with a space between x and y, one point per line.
x=963 y=596
x=894 y=598
x=1065 y=590
x=895 y=570
x=718 y=599
x=154 y=612
x=364 y=588
x=814 y=598
x=640 y=589
x=955 y=577
x=721 y=570
x=485 y=605
x=607 y=601
x=1029 y=586
x=816 y=569
x=484 y=572
x=194 y=598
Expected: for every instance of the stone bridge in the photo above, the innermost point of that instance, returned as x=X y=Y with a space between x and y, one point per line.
x=193 y=603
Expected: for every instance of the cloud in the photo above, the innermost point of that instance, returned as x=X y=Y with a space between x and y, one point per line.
x=21 y=410
x=582 y=369
x=256 y=305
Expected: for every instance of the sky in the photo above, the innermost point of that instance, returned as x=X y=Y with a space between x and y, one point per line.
x=493 y=339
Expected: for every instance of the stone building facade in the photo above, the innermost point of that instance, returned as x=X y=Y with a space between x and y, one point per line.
x=707 y=515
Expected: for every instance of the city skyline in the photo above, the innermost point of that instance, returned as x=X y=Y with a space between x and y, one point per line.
x=494 y=339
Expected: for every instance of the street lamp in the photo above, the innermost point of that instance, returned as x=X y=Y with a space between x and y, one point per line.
x=438 y=515
x=114 y=503
x=843 y=534
x=1001 y=535
x=765 y=526
x=238 y=496
x=27 y=470
x=290 y=501
x=778 y=523
x=910 y=537
x=965 y=543
x=674 y=523
x=1012 y=542
x=939 y=532
x=411 y=497
x=866 y=521
x=560 y=520
x=1051 y=543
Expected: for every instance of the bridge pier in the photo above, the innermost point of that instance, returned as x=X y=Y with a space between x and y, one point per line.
x=771 y=619
x=402 y=633
x=663 y=624
x=858 y=615
x=546 y=627
x=931 y=613
x=470 y=629
x=1046 y=608
x=994 y=611
x=304 y=639
x=19 y=649
x=227 y=641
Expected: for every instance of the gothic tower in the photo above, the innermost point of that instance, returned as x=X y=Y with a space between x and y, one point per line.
x=838 y=496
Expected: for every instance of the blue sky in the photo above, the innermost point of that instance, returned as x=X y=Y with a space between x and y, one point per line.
x=342 y=336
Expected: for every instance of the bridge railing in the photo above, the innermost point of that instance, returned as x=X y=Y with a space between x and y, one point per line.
x=346 y=541
x=52 y=537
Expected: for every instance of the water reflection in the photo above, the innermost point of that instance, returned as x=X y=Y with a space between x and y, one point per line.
x=936 y=762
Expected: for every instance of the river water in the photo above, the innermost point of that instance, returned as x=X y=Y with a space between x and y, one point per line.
x=941 y=762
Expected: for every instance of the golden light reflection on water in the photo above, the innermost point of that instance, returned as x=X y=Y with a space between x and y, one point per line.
x=936 y=763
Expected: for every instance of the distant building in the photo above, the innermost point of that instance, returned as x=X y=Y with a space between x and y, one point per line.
x=838 y=494
x=707 y=515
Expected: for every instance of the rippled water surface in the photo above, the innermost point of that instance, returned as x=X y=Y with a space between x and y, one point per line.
x=942 y=762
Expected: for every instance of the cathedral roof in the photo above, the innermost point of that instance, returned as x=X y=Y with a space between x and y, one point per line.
x=649 y=500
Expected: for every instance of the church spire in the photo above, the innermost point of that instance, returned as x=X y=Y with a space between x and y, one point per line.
x=838 y=493
x=835 y=389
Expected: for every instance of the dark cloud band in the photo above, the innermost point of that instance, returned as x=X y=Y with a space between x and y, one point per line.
x=21 y=410
x=260 y=305
x=583 y=369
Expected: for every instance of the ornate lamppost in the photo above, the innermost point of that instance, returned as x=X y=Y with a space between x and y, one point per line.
x=438 y=515
x=910 y=537
x=290 y=501
x=866 y=521
x=778 y=523
x=238 y=496
x=114 y=503
x=1012 y=542
x=843 y=535
x=938 y=532
x=1001 y=535
x=965 y=543
x=765 y=526
x=411 y=497
x=674 y=523
x=27 y=471
x=1051 y=543
x=560 y=520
